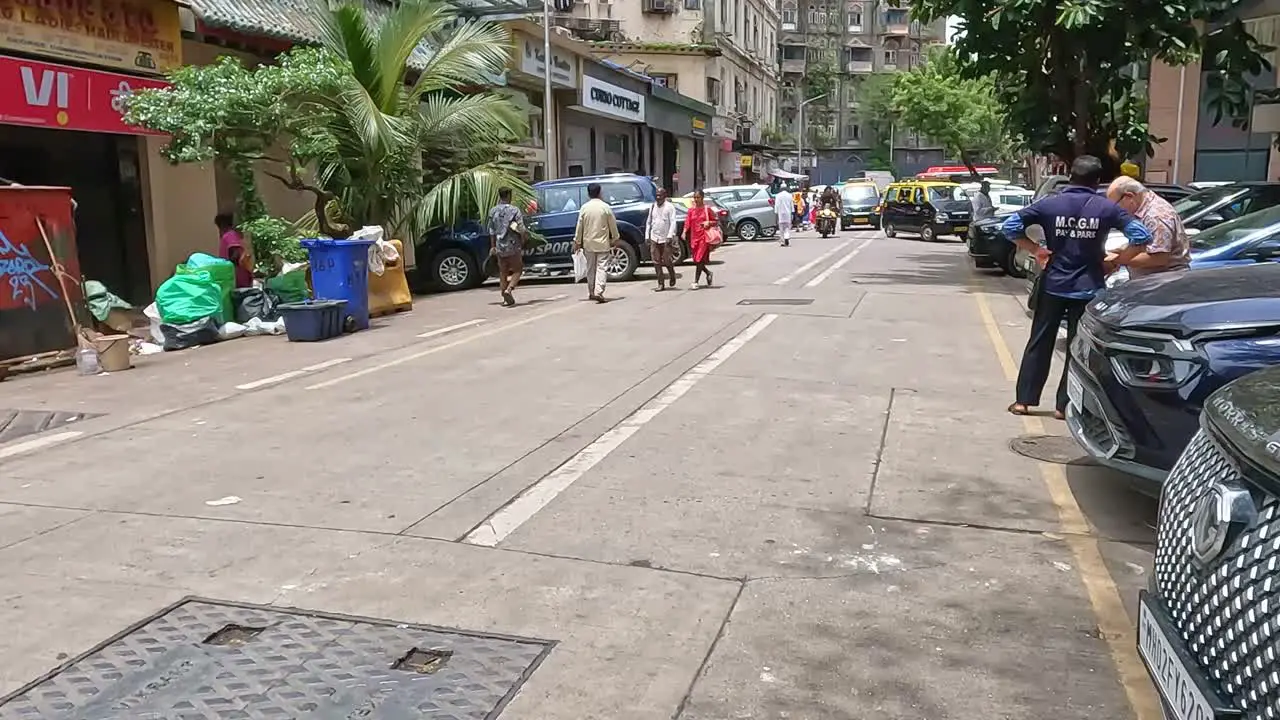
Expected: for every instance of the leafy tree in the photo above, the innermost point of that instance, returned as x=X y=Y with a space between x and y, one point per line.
x=346 y=123
x=877 y=115
x=963 y=114
x=1063 y=69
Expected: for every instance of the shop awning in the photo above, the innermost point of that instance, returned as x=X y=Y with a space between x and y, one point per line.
x=784 y=175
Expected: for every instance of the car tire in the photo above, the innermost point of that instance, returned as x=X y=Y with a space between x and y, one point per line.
x=927 y=234
x=615 y=269
x=1008 y=263
x=748 y=230
x=964 y=237
x=454 y=269
x=678 y=253
x=984 y=263
x=890 y=231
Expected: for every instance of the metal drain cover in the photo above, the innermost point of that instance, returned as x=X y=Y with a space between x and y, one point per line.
x=206 y=659
x=16 y=424
x=777 y=301
x=1059 y=449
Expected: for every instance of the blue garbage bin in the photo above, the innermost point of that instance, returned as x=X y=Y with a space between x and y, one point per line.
x=340 y=271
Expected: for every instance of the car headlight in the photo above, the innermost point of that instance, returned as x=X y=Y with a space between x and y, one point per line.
x=1152 y=371
x=941 y=217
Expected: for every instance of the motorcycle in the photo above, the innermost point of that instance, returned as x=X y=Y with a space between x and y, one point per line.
x=827 y=219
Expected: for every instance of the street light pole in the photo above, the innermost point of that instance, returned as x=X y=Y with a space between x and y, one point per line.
x=548 y=132
x=800 y=131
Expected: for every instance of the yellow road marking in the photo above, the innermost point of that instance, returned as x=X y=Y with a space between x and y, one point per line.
x=1114 y=623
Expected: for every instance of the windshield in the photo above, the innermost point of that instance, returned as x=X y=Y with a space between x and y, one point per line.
x=947 y=193
x=860 y=193
x=1205 y=199
x=1259 y=223
x=1018 y=199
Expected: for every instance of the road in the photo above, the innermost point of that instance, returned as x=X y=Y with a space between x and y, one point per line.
x=789 y=496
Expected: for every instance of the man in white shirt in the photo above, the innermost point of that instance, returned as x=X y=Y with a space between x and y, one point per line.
x=785 y=207
x=595 y=236
x=660 y=231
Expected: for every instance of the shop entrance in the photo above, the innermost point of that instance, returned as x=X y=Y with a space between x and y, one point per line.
x=103 y=173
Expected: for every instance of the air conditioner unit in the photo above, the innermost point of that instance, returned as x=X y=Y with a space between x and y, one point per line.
x=659 y=6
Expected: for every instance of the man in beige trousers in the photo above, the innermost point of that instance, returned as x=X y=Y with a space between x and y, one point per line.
x=596 y=235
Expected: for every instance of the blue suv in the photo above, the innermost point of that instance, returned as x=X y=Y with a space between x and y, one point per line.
x=1149 y=351
x=459 y=258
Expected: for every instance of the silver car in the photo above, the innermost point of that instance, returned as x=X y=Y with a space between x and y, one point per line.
x=751 y=213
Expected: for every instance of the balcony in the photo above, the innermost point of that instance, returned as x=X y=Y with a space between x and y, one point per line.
x=793 y=66
x=897 y=28
x=591 y=28
x=859 y=66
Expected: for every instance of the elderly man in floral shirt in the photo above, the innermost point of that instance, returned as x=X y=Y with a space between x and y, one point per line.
x=1170 y=247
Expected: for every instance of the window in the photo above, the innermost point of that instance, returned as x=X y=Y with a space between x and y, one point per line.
x=724 y=13
x=692 y=4
x=561 y=199
x=666 y=80
x=853 y=131
x=813 y=15
x=714 y=92
x=890 y=57
x=620 y=193
x=789 y=17
x=855 y=18
x=793 y=52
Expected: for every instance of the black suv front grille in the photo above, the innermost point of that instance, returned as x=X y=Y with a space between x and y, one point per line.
x=1227 y=613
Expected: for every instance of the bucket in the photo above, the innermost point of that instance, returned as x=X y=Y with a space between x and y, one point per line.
x=113 y=353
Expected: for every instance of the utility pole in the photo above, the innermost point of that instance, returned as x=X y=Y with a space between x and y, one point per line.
x=800 y=131
x=548 y=130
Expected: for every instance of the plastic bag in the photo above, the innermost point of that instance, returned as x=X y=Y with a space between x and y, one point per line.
x=257 y=326
x=153 y=314
x=231 y=331
x=223 y=273
x=188 y=297
x=381 y=254
x=579 y=266
x=189 y=335
x=253 y=303
x=291 y=285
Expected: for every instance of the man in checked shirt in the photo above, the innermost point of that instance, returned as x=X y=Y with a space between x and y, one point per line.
x=1169 y=248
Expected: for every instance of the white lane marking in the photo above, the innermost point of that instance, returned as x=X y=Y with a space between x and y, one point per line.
x=811 y=264
x=7 y=451
x=291 y=374
x=451 y=328
x=438 y=348
x=498 y=526
x=832 y=270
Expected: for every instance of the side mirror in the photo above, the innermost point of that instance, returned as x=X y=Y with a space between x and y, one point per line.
x=1207 y=221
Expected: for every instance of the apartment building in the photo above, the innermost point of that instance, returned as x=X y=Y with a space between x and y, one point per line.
x=721 y=52
x=846 y=41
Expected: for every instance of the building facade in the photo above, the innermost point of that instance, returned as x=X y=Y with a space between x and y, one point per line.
x=719 y=52
x=839 y=43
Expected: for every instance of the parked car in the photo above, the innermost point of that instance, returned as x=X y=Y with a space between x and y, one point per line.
x=1247 y=240
x=726 y=223
x=751 y=213
x=1055 y=183
x=1149 y=352
x=458 y=258
x=988 y=247
x=1207 y=621
x=928 y=208
x=858 y=201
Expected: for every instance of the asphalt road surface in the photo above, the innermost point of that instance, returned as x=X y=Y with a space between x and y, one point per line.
x=787 y=496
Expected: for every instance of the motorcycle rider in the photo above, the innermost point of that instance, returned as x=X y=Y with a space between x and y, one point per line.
x=831 y=199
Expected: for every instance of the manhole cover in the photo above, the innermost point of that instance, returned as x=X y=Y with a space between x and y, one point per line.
x=209 y=659
x=777 y=301
x=1060 y=449
x=16 y=424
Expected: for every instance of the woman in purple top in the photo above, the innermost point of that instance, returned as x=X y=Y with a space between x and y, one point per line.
x=231 y=247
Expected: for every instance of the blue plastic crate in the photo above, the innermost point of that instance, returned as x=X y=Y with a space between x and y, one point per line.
x=313 y=320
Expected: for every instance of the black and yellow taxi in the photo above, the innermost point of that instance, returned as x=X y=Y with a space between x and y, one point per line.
x=927 y=208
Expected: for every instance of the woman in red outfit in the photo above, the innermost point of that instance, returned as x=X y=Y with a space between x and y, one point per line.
x=696 y=224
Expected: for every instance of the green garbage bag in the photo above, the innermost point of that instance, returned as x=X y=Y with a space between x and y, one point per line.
x=188 y=297
x=222 y=271
x=291 y=287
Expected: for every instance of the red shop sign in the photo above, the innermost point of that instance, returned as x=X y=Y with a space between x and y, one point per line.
x=60 y=96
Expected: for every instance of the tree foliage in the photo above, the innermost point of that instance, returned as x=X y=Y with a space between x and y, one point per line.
x=1063 y=68
x=346 y=122
x=937 y=101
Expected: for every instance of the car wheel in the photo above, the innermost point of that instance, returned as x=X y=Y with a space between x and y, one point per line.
x=1009 y=265
x=678 y=254
x=984 y=264
x=890 y=230
x=964 y=237
x=748 y=230
x=621 y=262
x=454 y=269
x=927 y=234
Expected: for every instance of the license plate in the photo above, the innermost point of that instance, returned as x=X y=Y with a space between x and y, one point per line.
x=1075 y=390
x=962 y=228
x=1184 y=695
x=861 y=220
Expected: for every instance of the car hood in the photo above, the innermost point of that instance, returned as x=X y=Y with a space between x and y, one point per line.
x=1247 y=413
x=1186 y=303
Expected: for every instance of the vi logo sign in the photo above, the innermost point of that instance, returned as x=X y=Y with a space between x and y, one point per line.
x=50 y=88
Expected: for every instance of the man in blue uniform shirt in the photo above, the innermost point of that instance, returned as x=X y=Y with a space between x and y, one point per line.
x=1075 y=222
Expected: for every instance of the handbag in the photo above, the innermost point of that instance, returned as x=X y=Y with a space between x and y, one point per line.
x=714 y=236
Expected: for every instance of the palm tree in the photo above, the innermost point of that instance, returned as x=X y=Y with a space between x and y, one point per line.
x=414 y=143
